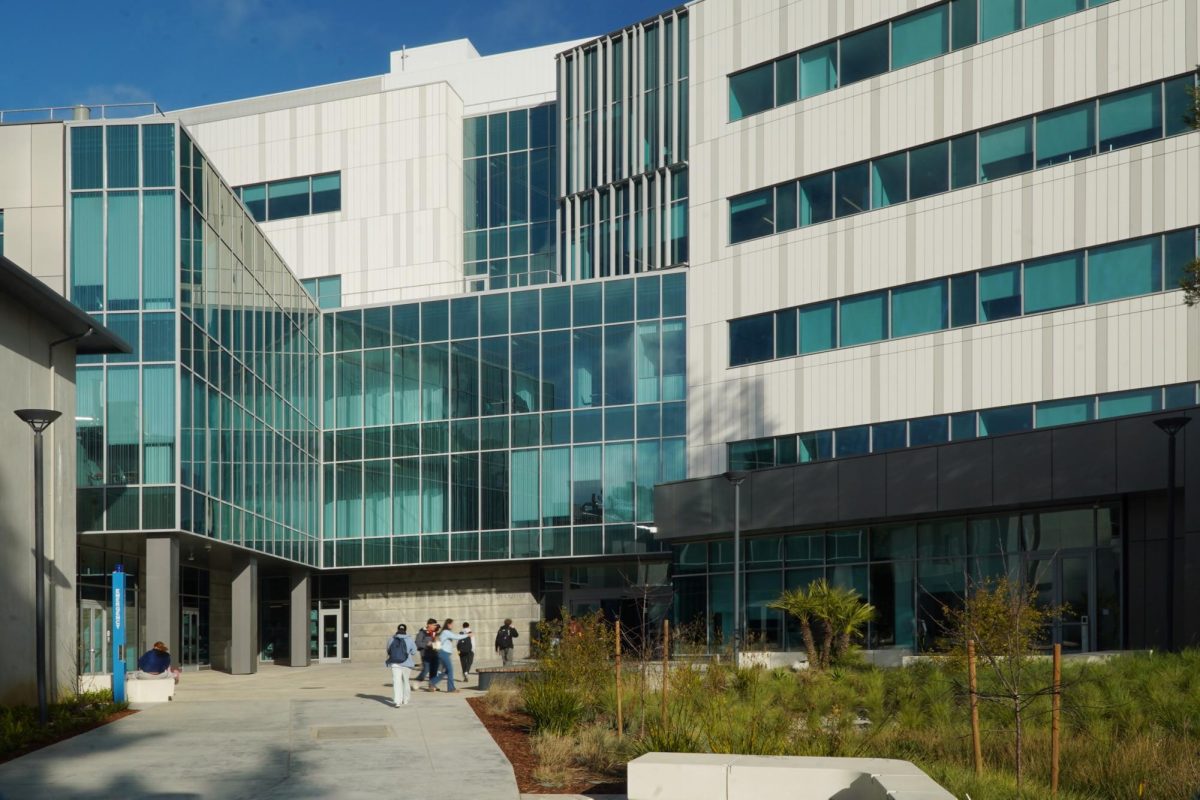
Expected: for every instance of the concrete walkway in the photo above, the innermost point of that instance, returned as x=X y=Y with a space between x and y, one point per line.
x=323 y=731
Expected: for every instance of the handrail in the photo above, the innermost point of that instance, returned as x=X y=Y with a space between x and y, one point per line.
x=81 y=111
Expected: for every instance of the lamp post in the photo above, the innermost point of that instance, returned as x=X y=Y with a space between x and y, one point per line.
x=1171 y=426
x=736 y=477
x=39 y=419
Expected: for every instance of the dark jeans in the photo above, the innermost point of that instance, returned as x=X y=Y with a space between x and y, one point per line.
x=467 y=660
x=429 y=664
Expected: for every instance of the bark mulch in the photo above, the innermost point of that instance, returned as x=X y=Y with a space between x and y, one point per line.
x=511 y=732
x=55 y=737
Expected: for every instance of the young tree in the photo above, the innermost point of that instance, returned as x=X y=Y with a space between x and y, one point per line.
x=1190 y=283
x=799 y=604
x=1002 y=617
x=841 y=613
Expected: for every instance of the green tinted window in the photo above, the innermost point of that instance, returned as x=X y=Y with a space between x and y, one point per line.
x=921 y=36
x=751 y=91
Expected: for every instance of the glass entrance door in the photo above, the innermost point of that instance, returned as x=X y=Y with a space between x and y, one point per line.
x=93 y=638
x=329 y=632
x=1067 y=579
x=189 y=638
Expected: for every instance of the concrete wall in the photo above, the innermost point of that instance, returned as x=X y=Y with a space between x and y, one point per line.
x=31 y=196
x=31 y=382
x=220 y=617
x=482 y=594
x=1133 y=192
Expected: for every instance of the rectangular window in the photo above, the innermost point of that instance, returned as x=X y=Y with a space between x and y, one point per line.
x=962 y=300
x=1039 y=11
x=930 y=430
x=122 y=145
x=818 y=327
x=854 y=441
x=853 y=189
x=1180 y=250
x=1066 y=134
x=286 y=199
x=785 y=207
x=999 y=293
x=815 y=446
x=1124 y=270
x=964 y=22
x=327 y=193
x=786 y=333
x=1006 y=150
x=1012 y=419
x=921 y=36
x=929 y=170
x=864 y=55
x=889 y=436
x=1130 y=118
x=785 y=80
x=751 y=91
x=158 y=155
x=751 y=339
x=754 y=454
x=1055 y=282
x=751 y=215
x=963 y=168
x=998 y=17
x=1179 y=106
x=818 y=70
x=1064 y=412
x=816 y=199
x=87 y=165
x=1179 y=396
x=889 y=180
x=254 y=197
x=1120 y=404
x=864 y=319
x=920 y=308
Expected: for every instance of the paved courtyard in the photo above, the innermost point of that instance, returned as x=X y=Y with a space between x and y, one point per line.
x=324 y=731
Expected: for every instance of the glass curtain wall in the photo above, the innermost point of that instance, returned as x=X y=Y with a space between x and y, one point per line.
x=517 y=424
x=510 y=180
x=910 y=571
x=624 y=108
x=249 y=376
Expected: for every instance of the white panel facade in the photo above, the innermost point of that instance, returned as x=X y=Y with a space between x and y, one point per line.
x=31 y=197
x=1146 y=189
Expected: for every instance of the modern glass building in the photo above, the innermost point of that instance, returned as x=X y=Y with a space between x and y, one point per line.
x=430 y=343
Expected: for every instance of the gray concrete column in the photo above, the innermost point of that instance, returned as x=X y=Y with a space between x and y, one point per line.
x=300 y=604
x=243 y=651
x=162 y=593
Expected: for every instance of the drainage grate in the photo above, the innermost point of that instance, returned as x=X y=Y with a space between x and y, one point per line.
x=312 y=687
x=342 y=732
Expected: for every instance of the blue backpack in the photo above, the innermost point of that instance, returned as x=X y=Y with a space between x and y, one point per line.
x=397 y=650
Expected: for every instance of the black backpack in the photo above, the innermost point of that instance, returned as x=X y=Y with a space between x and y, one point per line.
x=504 y=639
x=465 y=646
x=397 y=650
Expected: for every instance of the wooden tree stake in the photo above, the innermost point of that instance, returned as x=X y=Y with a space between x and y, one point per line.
x=666 y=645
x=1054 y=718
x=976 y=746
x=620 y=720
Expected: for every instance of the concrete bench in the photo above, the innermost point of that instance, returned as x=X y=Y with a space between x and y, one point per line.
x=149 y=690
x=704 y=776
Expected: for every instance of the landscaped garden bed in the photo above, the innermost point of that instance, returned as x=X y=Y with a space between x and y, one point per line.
x=1130 y=725
x=20 y=732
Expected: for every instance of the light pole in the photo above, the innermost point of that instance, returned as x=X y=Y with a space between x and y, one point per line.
x=39 y=419
x=736 y=477
x=1171 y=426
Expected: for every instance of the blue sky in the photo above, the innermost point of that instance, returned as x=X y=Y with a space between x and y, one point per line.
x=185 y=54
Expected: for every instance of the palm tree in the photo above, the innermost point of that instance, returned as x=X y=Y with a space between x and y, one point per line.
x=852 y=616
x=800 y=604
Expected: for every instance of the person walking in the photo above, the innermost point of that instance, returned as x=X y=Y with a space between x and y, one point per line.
x=425 y=639
x=504 y=641
x=445 y=652
x=466 y=651
x=401 y=651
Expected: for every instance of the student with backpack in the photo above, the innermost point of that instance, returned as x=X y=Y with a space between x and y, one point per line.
x=466 y=650
x=504 y=641
x=444 y=643
x=400 y=651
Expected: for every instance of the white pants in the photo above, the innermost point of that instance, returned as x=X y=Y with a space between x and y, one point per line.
x=401 y=693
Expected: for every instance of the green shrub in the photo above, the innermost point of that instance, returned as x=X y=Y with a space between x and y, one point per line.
x=553 y=706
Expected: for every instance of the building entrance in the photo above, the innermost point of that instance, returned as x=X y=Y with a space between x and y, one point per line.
x=189 y=637
x=93 y=638
x=1066 y=579
x=327 y=634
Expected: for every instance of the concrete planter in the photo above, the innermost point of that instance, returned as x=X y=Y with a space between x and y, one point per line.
x=490 y=675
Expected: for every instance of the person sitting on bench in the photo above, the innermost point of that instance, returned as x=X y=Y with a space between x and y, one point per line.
x=156 y=663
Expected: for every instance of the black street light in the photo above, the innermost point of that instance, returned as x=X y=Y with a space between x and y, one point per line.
x=736 y=477
x=39 y=419
x=1171 y=426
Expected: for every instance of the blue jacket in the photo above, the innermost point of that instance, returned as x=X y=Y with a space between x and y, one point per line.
x=154 y=662
x=412 y=651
